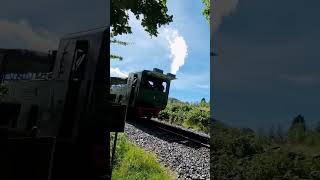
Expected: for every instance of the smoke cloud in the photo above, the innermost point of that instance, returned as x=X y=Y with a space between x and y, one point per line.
x=22 y=35
x=178 y=49
x=222 y=8
x=116 y=72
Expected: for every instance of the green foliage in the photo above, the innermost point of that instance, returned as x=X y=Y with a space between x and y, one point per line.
x=195 y=116
x=206 y=9
x=198 y=119
x=131 y=162
x=153 y=14
x=242 y=154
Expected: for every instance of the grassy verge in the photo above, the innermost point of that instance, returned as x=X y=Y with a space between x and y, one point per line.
x=132 y=162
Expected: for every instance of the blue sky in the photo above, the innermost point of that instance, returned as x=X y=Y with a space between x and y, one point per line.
x=267 y=71
x=189 y=34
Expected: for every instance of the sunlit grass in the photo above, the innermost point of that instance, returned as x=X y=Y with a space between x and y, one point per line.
x=134 y=163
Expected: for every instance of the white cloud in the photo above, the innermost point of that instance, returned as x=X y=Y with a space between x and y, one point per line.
x=116 y=72
x=28 y=37
x=178 y=49
x=169 y=44
x=222 y=8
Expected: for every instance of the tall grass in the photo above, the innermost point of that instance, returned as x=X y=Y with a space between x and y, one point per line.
x=132 y=162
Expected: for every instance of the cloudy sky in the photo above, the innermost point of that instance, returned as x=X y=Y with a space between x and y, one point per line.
x=267 y=70
x=38 y=24
x=181 y=48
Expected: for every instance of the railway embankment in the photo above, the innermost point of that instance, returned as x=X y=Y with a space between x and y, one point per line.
x=187 y=159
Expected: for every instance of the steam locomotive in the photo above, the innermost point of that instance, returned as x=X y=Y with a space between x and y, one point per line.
x=145 y=92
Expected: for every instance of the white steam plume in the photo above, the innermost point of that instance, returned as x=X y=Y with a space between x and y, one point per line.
x=24 y=36
x=222 y=8
x=116 y=72
x=178 y=48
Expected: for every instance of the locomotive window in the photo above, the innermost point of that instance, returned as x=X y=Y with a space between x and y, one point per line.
x=164 y=84
x=150 y=83
x=79 y=61
x=135 y=78
x=155 y=84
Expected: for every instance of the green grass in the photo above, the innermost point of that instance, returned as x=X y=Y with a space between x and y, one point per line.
x=134 y=163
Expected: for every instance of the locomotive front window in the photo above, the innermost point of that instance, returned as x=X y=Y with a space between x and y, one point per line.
x=155 y=84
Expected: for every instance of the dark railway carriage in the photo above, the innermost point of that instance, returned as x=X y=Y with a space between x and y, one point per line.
x=145 y=92
x=57 y=110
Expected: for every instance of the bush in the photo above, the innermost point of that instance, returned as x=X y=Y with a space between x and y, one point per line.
x=241 y=154
x=195 y=116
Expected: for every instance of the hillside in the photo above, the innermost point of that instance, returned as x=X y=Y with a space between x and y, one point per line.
x=243 y=154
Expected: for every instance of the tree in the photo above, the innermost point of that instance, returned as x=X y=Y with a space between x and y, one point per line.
x=297 y=130
x=206 y=9
x=153 y=14
x=116 y=41
x=298 y=121
x=203 y=100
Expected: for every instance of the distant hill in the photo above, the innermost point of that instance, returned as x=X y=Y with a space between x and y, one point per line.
x=174 y=100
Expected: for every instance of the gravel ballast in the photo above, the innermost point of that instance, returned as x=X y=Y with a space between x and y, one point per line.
x=186 y=159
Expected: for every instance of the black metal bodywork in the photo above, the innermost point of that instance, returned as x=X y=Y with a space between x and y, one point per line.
x=64 y=107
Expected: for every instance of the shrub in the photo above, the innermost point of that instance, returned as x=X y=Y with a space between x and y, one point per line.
x=195 y=116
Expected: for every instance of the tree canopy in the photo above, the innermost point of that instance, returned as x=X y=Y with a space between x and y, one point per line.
x=153 y=15
x=206 y=9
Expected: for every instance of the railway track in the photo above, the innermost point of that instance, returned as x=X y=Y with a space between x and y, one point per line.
x=197 y=138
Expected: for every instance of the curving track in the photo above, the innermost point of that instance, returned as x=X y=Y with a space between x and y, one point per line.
x=183 y=151
x=199 y=138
